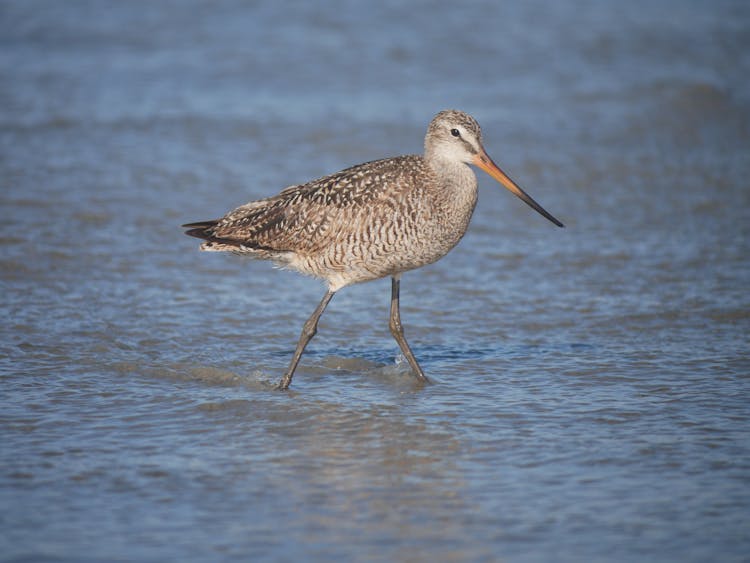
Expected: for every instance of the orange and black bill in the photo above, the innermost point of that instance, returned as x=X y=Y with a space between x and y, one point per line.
x=485 y=163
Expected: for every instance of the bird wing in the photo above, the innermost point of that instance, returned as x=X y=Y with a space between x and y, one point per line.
x=304 y=218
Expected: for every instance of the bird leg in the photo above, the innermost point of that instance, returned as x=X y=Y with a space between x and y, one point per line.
x=398 y=331
x=308 y=331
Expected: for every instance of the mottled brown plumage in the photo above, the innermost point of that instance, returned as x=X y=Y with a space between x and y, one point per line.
x=376 y=219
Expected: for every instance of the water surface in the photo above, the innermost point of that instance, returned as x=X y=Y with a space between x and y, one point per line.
x=590 y=396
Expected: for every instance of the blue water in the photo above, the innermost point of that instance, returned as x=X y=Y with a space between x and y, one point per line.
x=591 y=384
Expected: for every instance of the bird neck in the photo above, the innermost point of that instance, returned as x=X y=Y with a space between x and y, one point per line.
x=452 y=173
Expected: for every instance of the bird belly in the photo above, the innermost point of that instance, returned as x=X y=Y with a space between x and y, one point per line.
x=376 y=246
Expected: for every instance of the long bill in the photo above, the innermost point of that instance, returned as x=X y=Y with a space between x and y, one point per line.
x=485 y=163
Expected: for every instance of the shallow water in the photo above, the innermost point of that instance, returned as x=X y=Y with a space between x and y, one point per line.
x=590 y=396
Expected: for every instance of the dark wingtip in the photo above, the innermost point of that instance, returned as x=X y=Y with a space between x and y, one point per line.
x=199 y=229
x=200 y=224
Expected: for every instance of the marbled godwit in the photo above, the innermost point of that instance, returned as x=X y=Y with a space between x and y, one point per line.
x=376 y=219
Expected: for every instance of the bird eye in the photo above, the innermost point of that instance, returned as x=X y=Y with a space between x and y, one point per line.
x=455 y=132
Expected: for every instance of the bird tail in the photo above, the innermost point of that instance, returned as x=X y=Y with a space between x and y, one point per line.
x=205 y=230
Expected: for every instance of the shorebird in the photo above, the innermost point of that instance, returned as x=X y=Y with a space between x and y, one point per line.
x=377 y=219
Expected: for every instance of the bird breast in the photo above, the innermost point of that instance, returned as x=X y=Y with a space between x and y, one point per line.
x=411 y=217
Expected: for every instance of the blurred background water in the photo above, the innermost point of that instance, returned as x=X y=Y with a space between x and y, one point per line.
x=591 y=384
